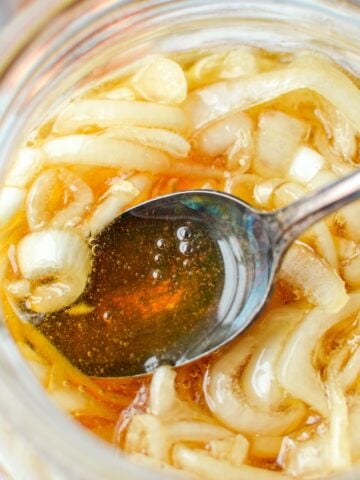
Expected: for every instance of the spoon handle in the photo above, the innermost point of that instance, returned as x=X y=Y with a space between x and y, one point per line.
x=291 y=221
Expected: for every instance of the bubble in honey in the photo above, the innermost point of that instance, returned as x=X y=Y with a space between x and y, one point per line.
x=184 y=233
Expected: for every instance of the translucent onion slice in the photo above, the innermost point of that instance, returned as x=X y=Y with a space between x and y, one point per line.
x=157 y=138
x=164 y=401
x=308 y=70
x=278 y=139
x=351 y=371
x=266 y=447
x=306 y=272
x=351 y=272
x=348 y=220
x=106 y=152
x=203 y=464
x=146 y=434
x=258 y=379
x=37 y=202
x=287 y=193
x=19 y=288
x=233 y=134
x=354 y=420
x=228 y=403
x=12 y=200
x=324 y=177
x=117 y=198
x=58 y=264
x=324 y=244
x=233 y=450
x=26 y=166
x=242 y=185
x=120 y=93
x=264 y=191
x=197 y=432
x=296 y=359
x=110 y=113
x=305 y=165
x=329 y=450
x=347 y=248
x=161 y=80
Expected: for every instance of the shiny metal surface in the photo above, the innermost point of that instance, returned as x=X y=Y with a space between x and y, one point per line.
x=252 y=245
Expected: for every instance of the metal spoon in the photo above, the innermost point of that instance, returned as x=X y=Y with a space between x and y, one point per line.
x=252 y=245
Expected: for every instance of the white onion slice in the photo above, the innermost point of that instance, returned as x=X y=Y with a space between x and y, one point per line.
x=110 y=113
x=351 y=272
x=324 y=177
x=61 y=258
x=157 y=138
x=349 y=374
x=233 y=134
x=348 y=220
x=242 y=185
x=324 y=244
x=230 y=406
x=233 y=450
x=264 y=191
x=119 y=93
x=106 y=152
x=258 y=379
x=197 y=432
x=203 y=464
x=296 y=359
x=303 y=270
x=146 y=434
x=288 y=193
x=39 y=195
x=19 y=288
x=26 y=166
x=278 y=138
x=308 y=70
x=161 y=80
x=305 y=165
x=164 y=402
x=117 y=198
x=12 y=200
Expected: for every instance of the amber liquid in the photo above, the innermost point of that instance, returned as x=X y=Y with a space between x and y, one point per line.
x=153 y=281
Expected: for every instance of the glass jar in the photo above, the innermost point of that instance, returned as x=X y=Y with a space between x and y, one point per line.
x=52 y=51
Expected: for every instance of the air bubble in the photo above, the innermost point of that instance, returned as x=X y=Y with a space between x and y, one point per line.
x=156 y=274
x=158 y=257
x=161 y=243
x=185 y=248
x=183 y=233
x=151 y=364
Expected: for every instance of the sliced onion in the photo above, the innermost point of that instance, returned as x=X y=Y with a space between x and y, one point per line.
x=26 y=166
x=157 y=138
x=196 y=432
x=239 y=62
x=308 y=70
x=348 y=220
x=233 y=450
x=242 y=186
x=39 y=195
x=324 y=177
x=354 y=420
x=303 y=270
x=267 y=448
x=264 y=191
x=325 y=244
x=61 y=258
x=110 y=113
x=120 y=93
x=288 y=193
x=12 y=200
x=161 y=80
x=305 y=165
x=234 y=132
x=203 y=464
x=70 y=400
x=117 y=198
x=230 y=406
x=19 y=288
x=349 y=374
x=164 y=402
x=296 y=359
x=258 y=379
x=278 y=139
x=351 y=272
x=329 y=450
x=347 y=248
x=146 y=434
x=106 y=152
